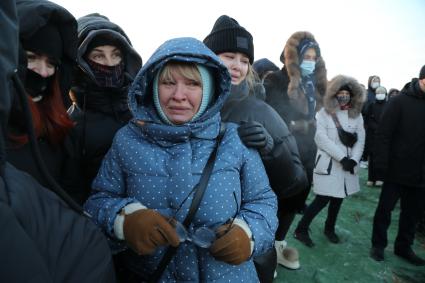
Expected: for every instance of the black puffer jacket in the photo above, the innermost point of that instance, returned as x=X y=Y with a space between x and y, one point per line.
x=283 y=166
x=101 y=111
x=43 y=240
x=400 y=156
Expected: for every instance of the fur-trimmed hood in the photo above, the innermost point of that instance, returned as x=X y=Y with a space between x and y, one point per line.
x=290 y=59
x=358 y=95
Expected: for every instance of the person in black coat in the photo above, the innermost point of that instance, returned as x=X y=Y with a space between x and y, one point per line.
x=42 y=239
x=260 y=125
x=107 y=65
x=296 y=93
x=48 y=37
x=400 y=163
x=373 y=83
x=372 y=117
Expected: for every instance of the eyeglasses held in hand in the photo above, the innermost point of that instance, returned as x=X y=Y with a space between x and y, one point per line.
x=202 y=237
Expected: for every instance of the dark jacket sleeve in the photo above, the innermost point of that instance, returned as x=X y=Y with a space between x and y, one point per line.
x=283 y=164
x=383 y=138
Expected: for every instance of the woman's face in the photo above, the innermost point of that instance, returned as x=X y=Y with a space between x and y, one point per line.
x=179 y=97
x=310 y=55
x=343 y=97
x=237 y=64
x=41 y=64
x=107 y=55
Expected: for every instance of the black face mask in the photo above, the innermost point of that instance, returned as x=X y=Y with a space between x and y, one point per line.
x=37 y=86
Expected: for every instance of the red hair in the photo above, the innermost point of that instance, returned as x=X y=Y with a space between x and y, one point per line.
x=49 y=116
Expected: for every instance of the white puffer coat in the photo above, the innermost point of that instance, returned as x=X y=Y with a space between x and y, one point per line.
x=329 y=178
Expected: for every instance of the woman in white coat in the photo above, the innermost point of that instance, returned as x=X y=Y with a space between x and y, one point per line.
x=340 y=139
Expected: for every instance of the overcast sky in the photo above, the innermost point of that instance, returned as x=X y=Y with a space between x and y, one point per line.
x=357 y=37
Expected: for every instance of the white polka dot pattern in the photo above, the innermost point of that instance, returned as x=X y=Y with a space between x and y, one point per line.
x=158 y=165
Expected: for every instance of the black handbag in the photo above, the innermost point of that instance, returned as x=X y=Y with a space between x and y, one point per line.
x=265 y=265
x=348 y=139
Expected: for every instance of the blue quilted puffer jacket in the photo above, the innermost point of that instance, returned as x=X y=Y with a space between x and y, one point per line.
x=158 y=165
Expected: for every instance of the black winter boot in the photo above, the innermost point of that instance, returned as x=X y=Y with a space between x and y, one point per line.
x=303 y=236
x=332 y=237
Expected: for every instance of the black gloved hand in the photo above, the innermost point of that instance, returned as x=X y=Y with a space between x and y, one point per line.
x=345 y=162
x=253 y=134
x=348 y=164
x=352 y=164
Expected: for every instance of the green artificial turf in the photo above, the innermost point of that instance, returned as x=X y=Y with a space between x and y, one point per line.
x=349 y=260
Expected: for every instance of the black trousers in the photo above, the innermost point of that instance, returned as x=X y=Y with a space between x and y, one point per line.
x=316 y=206
x=412 y=201
x=289 y=207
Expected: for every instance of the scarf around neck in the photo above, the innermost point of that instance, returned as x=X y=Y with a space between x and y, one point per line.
x=307 y=84
x=107 y=76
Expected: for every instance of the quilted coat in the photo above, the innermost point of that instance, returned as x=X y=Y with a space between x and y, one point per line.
x=158 y=165
x=329 y=178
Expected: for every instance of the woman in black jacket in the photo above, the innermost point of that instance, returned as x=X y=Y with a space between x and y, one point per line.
x=107 y=65
x=260 y=126
x=48 y=36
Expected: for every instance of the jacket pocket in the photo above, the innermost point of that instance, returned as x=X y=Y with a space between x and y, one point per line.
x=323 y=164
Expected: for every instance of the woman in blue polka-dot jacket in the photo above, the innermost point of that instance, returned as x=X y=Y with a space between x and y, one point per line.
x=145 y=184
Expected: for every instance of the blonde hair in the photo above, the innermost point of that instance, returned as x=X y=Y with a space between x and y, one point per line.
x=185 y=69
x=251 y=78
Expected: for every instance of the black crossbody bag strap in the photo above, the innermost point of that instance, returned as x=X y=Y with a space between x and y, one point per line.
x=336 y=121
x=200 y=189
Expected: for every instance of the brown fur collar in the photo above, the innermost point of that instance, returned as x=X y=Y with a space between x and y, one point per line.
x=358 y=95
x=290 y=59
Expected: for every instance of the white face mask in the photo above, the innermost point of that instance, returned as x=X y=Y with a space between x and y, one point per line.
x=374 y=85
x=380 y=96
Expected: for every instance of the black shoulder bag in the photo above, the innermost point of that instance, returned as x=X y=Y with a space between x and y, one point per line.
x=348 y=139
x=199 y=193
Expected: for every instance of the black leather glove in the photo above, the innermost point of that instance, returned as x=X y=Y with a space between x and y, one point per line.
x=348 y=164
x=352 y=164
x=253 y=134
x=345 y=162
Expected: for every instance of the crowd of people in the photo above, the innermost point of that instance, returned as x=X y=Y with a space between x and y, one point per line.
x=193 y=165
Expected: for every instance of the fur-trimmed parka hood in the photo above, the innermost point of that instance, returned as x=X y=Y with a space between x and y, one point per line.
x=290 y=59
x=358 y=95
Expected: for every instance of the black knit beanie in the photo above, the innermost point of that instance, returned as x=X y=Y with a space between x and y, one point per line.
x=46 y=40
x=422 y=73
x=228 y=36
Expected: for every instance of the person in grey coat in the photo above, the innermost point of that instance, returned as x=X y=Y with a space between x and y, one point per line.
x=340 y=139
x=146 y=182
